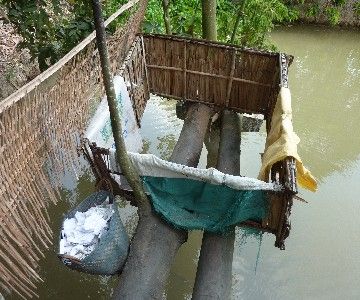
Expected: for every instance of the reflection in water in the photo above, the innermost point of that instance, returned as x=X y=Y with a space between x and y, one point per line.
x=325 y=85
x=160 y=127
x=321 y=260
x=166 y=145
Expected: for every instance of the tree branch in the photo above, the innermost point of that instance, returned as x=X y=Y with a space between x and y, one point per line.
x=239 y=17
x=166 y=15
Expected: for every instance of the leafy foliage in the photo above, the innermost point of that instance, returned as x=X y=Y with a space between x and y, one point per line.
x=185 y=17
x=51 y=28
x=333 y=14
x=258 y=18
x=313 y=10
x=330 y=10
x=357 y=8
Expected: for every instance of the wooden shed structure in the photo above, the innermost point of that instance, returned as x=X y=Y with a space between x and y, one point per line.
x=220 y=75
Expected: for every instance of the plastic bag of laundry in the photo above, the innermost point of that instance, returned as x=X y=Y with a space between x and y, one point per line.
x=93 y=238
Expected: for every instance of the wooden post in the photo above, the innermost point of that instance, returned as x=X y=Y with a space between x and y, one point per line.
x=121 y=155
x=213 y=277
x=155 y=242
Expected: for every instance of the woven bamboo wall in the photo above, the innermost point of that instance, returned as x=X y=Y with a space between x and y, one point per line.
x=40 y=127
x=227 y=76
x=135 y=74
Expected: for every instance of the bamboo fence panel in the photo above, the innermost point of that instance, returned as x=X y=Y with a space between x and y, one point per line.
x=40 y=127
x=244 y=80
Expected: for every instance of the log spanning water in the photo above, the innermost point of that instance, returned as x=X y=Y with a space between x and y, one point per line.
x=155 y=242
x=213 y=277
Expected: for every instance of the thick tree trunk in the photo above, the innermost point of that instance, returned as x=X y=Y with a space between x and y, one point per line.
x=209 y=19
x=155 y=242
x=166 y=16
x=213 y=277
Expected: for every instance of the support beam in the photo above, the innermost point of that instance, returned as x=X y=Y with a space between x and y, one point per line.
x=155 y=242
x=213 y=277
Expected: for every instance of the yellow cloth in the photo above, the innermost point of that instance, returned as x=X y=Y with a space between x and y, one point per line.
x=282 y=142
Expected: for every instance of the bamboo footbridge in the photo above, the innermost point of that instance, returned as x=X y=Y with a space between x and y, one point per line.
x=41 y=125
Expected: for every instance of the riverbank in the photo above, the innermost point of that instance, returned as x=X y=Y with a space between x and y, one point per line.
x=323 y=12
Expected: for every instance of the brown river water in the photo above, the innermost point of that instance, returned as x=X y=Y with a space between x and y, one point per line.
x=322 y=257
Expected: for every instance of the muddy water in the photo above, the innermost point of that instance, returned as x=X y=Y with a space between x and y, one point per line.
x=321 y=260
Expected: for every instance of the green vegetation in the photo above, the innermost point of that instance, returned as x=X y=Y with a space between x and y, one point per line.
x=330 y=9
x=333 y=14
x=357 y=9
x=50 y=28
x=313 y=10
x=255 y=19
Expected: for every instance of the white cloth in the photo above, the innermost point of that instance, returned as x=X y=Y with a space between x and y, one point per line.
x=150 y=165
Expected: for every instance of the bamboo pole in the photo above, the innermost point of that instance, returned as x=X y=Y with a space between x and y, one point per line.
x=121 y=155
x=239 y=17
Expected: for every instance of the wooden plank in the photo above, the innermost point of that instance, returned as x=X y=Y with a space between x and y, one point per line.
x=209 y=75
x=184 y=72
x=228 y=90
x=210 y=43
